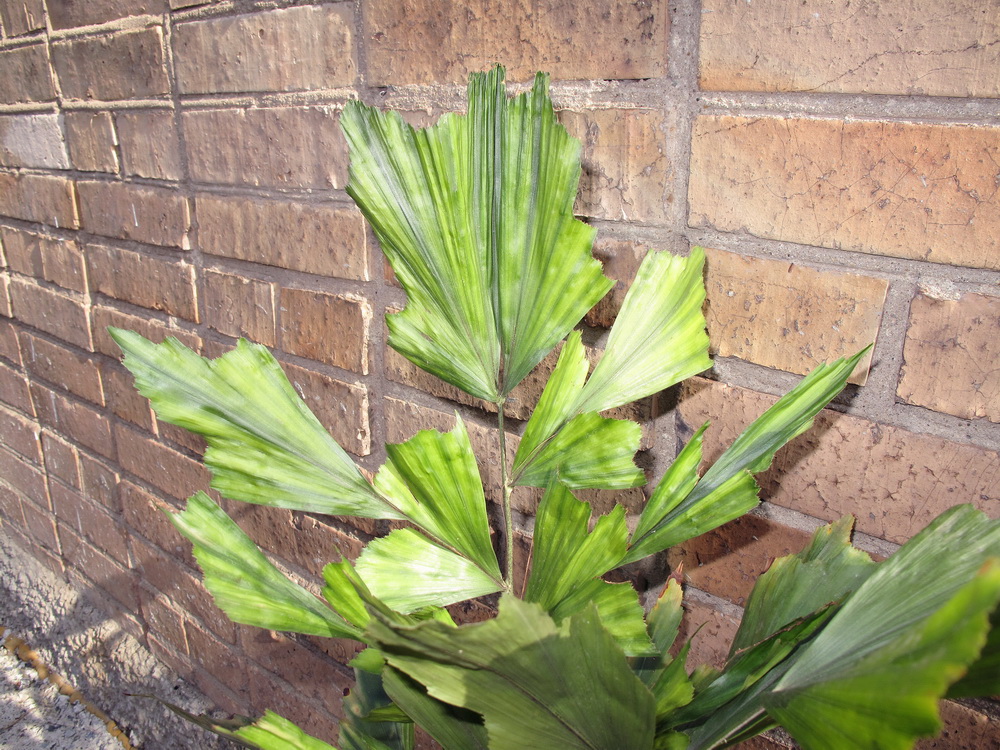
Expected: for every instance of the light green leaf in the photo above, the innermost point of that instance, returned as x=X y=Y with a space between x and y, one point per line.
x=619 y=609
x=983 y=677
x=672 y=688
x=264 y=445
x=269 y=732
x=245 y=584
x=475 y=216
x=501 y=667
x=407 y=571
x=452 y=727
x=341 y=590
x=663 y=624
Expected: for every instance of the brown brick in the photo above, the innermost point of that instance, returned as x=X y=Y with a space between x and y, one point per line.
x=341 y=407
x=621 y=262
x=270 y=692
x=424 y=42
x=315 y=677
x=33 y=140
x=64 y=367
x=238 y=306
x=292 y=146
x=91 y=522
x=149 y=144
x=787 y=316
x=326 y=327
x=894 y=481
x=61 y=459
x=318 y=238
x=24 y=74
x=318 y=543
x=11 y=513
x=20 y=434
x=117 y=582
x=624 y=168
x=153 y=330
x=162 y=619
x=180 y=436
x=73 y=419
x=14 y=389
x=41 y=198
x=147 y=514
x=40 y=526
x=950 y=353
x=91 y=138
x=61 y=315
x=163 y=467
x=70 y=13
x=126 y=65
x=898 y=47
x=157 y=216
x=100 y=482
x=964 y=728
x=5 y=308
x=143 y=279
x=21 y=16
x=710 y=632
x=294 y=49
x=922 y=191
x=9 y=348
x=125 y=401
x=51 y=258
x=217 y=658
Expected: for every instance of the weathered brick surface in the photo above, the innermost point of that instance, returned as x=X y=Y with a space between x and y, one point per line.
x=32 y=140
x=14 y=389
x=425 y=42
x=125 y=65
x=153 y=215
x=62 y=460
x=41 y=198
x=41 y=526
x=21 y=475
x=621 y=262
x=100 y=482
x=963 y=728
x=24 y=74
x=154 y=330
x=21 y=16
x=326 y=327
x=147 y=514
x=20 y=434
x=895 y=47
x=91 y=522
x=295 y=49
x=292 y=146
x=143 y=279
x=322 y=239
x=169 y=470
x=70 y=13
x=91 y=139
x=45 y=257
x=709 y=631
x=789 y=316
x=149 y=144
x=59 y=365
x=61 y=314
x=237 y=306
x=341 y=407
x=78 y=421
x=950 y=355
x=922 y=191
x=113 y=579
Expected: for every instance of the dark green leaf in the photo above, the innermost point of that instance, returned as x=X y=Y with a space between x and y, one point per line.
x=452 y=727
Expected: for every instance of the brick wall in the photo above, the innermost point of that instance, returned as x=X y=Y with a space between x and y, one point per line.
x=176 y=167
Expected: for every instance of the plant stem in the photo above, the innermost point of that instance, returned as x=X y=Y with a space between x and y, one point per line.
x=508 y=518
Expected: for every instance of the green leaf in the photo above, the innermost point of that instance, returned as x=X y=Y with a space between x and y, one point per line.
x=452 y=727
x=361 y=729
x=264 y=445
x=244 y=583
x=407 y=571
x=663 y=624
x=619 y=609
x=475 y=216
x=983 y=677
x=341 y=590
x=535 y=683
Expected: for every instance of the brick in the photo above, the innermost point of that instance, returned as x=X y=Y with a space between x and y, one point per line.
x=125 y=401
x=91 y=522
x=99 y=482
x=162 y=619
x=91 y=138
x=126 y=65
x=621 y=262
x=293 y=147
x=893 y=480
x=143 y=279
x=41 y=198
x=66 y=368
x=24 y=74
x=949 y=354
x=317 y=238
x=787 y=316
x=296 y=49
x=898 y=47
x=308 y=670
x=920 y=191
x=239 y=307
x=9 y=348
x=711 y=632
x=5 y=309
x=117 y=582
x=149 y=144
x=71 y=13
x=154 y=330
x=56 y=260
x=424 y=42
x=61 y=459
x=340 y=407
x=147 y=514
x=20 y=434
x=270 y=692
x=163 y=467
x=11 y=513
x=625 y=170
x=59 y=314
x=14 y=390
x=22 y=16
x=157 y=216
x=40 y=526
x=964 y=727
x=32 y=140
x=325 y=327
x=74 y=419
x=318 y=543
x=180 y=436
x=217 y=658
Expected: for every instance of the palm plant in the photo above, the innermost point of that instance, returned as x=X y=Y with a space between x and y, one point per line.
x=475 y=216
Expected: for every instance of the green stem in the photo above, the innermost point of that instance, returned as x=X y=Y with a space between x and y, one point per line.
x=508 y=518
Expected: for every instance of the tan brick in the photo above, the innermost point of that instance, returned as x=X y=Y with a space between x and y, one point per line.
x=318 y=238
x=62 y=460
x=621 y=262
x=157 y=216
x=149 y=144
x=60 y=314
x=33 y=140
x=71 y=13
x=710 y=632
x=41 y=198
x=964 y=727
x=163 y=467
x=125 y=65
x=950 y=355
x=153 y=330
x=898 y=47
x=325 y=327
x=21 y=16
x=625 y=171
x=24 y=74
x=787 y=316
x=921 y=191
x=237 y=306
x=14 y=390
x=294 y=49
x=143 y=279
x=292 y=146
x=51 y=258
x=73 y=419
x=66 y=368
x=894 y=481
x=91 y=138
x=341 y=407
x=425 y=42
x=21 y=435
